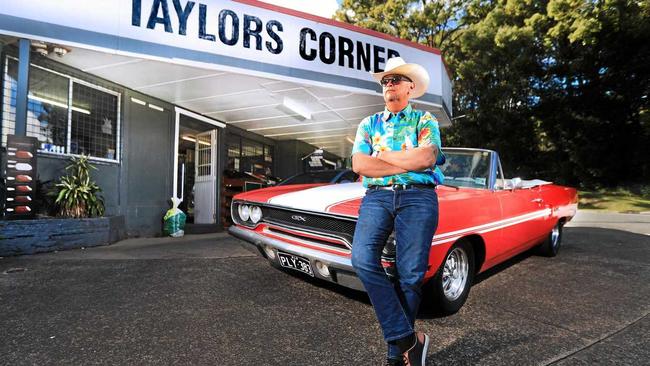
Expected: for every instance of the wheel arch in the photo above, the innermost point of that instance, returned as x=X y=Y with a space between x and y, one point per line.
x=478 y=245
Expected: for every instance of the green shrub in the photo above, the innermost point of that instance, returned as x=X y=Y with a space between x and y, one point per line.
x=77 y=196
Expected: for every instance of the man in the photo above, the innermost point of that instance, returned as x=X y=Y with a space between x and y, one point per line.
x=396 y=151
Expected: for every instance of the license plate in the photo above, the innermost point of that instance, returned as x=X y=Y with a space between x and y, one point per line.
x=294 y=262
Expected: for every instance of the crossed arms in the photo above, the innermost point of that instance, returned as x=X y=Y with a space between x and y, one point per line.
x=394 y=162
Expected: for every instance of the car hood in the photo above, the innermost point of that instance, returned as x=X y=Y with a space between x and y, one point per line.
x=328 y=198
x=341 y=199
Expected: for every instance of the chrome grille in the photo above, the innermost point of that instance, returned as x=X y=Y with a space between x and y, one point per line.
x=320 y=242
x=322 y=224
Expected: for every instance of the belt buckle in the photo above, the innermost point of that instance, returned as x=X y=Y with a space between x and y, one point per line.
x=399 y=187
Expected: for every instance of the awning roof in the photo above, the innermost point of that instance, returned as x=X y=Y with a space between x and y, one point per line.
x=281 y=96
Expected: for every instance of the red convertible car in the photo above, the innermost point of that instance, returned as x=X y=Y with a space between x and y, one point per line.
x=485 y=219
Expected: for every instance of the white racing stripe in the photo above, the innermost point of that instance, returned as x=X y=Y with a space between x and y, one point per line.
x=319 y=199
x=496 y=225
x=501 y=223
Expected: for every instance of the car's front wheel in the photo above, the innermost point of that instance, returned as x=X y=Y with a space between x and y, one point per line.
x=452 y=282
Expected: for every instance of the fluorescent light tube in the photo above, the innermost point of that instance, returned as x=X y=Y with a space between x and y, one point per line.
x=58 y=104
x=296 y=107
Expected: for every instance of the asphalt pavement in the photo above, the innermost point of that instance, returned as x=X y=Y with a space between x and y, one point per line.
x=207 y=300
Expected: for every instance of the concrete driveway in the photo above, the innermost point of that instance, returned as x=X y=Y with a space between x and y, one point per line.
x=206 y=300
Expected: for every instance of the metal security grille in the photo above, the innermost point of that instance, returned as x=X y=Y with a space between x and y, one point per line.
x=9 y=86
x=66 y=115
x=323 y=224
x=47 y=107
x=204 y=155
x=94 y=127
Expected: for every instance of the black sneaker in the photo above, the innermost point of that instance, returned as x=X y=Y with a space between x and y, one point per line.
x=417 y=355
x=395 y=361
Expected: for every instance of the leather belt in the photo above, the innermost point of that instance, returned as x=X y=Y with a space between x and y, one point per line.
x=402 y=187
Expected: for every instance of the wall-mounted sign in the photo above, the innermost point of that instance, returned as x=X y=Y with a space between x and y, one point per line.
x=240 y=36
x=20 y=177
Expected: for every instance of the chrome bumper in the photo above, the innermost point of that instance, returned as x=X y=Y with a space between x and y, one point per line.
x=341 y=271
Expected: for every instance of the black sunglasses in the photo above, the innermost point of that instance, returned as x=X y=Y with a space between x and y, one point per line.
x=394 y=79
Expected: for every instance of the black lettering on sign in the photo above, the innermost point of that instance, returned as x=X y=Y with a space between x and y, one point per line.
x=303 y=44
x=183 y=13
x=376 y=50
x=154 y=19
x=234 y=35
x=203 y=10
x=248 y=31
x=391 y=54
x=328 y=56
x=136 y=12
x=278 y=41
x=363 y=56
x=346 y=47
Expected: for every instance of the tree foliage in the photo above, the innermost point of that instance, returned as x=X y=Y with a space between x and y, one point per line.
x=559 y=87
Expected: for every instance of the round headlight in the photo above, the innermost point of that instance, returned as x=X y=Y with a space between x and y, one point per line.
x=244 y=212
x=256 y=214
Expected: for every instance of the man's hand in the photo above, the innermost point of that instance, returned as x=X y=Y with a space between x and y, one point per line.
x=414 y=160
x=373 y=167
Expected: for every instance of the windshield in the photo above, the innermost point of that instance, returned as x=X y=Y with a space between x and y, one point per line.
x=322 y=176
x=466 y=168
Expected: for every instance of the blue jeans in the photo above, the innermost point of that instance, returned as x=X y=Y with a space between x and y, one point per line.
x=413 y=214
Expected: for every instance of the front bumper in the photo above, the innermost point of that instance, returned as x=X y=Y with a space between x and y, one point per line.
x=340 y=268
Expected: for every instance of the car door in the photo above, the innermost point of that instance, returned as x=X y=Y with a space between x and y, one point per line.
x=524 y=218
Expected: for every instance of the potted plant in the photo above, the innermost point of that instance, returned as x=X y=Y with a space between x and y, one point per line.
x=77 y=196
x=80 y=223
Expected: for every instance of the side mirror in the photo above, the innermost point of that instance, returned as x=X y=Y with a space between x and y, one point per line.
x=516 y=183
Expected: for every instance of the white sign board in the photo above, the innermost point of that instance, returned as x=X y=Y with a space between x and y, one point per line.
x=243 y=35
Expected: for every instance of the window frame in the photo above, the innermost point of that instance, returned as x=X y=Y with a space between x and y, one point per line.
x=240 y=142
x=71 y=81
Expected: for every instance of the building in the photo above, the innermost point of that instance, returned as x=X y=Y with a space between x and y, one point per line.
x=168 y=97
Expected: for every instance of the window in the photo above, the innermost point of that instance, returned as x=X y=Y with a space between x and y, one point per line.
x=252 y=156
x=94 y=122
x=246 y=155
x=234 y=154
x=67 y=116
x=204 y=165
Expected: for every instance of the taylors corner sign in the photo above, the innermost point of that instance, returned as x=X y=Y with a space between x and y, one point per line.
x=243 y=35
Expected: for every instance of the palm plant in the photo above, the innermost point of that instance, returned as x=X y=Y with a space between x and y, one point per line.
x=78 y=196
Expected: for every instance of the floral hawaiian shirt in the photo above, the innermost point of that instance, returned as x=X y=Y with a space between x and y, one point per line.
x=409 y=128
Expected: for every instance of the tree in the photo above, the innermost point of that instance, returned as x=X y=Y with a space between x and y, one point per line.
x=559 y=87
x=432 y=23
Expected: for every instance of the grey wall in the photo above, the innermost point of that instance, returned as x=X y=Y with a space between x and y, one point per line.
x=286 y=152
x=51 y=168
x=147 y=164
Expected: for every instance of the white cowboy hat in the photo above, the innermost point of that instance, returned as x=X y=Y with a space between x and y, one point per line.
x=415 y=72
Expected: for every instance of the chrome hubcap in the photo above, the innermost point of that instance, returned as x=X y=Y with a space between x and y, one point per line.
x=455 y=273
x=555 y=236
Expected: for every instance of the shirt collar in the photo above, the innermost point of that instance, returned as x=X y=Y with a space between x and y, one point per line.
x=387 y=114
